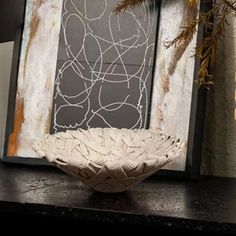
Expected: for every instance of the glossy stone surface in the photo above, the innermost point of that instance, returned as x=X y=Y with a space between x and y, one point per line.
x=205 y=205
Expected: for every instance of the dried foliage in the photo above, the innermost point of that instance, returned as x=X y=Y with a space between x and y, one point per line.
x=213 y=22
x=125 y=4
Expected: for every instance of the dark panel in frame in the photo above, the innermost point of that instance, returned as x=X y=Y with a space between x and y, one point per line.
x=105 y=66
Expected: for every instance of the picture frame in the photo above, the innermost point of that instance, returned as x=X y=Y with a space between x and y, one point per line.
x=185 y=120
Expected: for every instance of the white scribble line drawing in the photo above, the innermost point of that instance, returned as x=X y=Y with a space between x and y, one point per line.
x=95 y=72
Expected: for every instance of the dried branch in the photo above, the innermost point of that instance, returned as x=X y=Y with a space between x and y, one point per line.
x=231 y=5
x=185 y=35
x=125 y=4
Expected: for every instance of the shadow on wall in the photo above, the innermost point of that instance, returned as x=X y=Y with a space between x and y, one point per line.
x=219 y=148
x=6 y=50
x=10 y=18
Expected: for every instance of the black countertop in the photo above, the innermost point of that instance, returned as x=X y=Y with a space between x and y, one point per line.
x=205 y=205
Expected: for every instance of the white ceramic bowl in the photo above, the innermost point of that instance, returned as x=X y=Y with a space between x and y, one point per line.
x=109 y=159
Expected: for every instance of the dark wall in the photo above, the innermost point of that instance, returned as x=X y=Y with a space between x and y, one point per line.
x=10 y=18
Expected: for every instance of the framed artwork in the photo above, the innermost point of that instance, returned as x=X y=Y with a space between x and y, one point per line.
x=78 y=64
